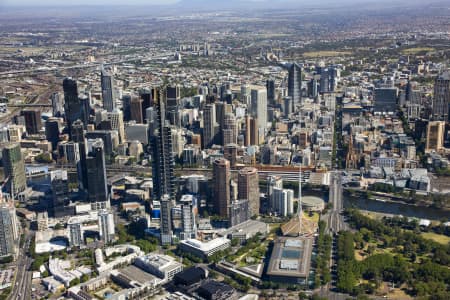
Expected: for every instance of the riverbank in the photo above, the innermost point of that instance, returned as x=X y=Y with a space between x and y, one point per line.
x=393 y=208
x=384 y=197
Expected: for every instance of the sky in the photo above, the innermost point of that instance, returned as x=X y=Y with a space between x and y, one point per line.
x=147 y=2
x=84 y=2
x=199 y=3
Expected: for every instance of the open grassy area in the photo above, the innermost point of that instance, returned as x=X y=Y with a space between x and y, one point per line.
x=440 y=238
x=314 y=217
x=313 y=54
x=417 y=50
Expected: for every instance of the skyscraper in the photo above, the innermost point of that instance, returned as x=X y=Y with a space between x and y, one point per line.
x=188 y=207
x=70 y=151
x=221 y=179
x=8 y=230
x=126 y=107
x=166 y=220
x=287 y=108
x=106 y=226
x=254 y=132
x=295 y=84
x=96 y=173
x=136 y=113
x=258 y=107
x=108 y=91
x=247 y=137
x=209 y=125
x=162 y=154
x=435 y=136
x=270 y=85
x=33 y=122
x=78 y=136
x=283 y=200
x=239 y=212
x=229 y=131
x=441 y=98
x=116 y=119
x=60 y=194
x=57 y=104
x=230 y=153
x=52 y=131
x=248 y=188
x=75 y=233
x=273 y=182
x=328 y=79
x=75 y=108
x=413 y=98
x=385 y=100
x=14 y=168
x=173 y=95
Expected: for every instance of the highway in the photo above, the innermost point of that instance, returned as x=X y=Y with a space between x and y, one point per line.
x=22 y=283
x=45 y=70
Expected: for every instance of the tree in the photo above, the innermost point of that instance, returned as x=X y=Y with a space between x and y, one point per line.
x=234 y=242
x=84 y=278
x=74 y=282
x=44 y=158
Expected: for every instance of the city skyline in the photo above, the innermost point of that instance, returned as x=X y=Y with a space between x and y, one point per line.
x=222 y=150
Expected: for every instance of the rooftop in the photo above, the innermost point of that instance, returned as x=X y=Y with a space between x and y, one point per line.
x=206 y=246
x=291 y=257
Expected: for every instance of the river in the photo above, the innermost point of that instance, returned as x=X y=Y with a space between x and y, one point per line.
x=405 y=210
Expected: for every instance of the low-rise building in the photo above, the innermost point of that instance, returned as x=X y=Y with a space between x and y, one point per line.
x=204 y=249
x=162 y=266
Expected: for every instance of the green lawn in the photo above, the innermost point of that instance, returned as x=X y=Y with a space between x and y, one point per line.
x=440 y=238
x=417 y=50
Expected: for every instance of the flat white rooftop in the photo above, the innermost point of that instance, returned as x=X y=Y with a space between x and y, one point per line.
x=206 y=246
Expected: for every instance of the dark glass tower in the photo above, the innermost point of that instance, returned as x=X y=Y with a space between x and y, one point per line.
x=74 y=107
x=270 y=85
x=162 y=155
x=96 y=173
x=52 y=131
x=295 y=84
x=107 y=91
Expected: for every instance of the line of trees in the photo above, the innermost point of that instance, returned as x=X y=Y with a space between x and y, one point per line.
x=324 y=241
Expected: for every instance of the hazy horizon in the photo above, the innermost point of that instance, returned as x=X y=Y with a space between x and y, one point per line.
x=57 y=3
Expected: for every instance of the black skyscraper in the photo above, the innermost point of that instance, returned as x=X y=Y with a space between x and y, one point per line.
x=96 y=173
x=270 y=85
x=52 y=131
x=162 y=155
x=77 y=133
x=75 y=108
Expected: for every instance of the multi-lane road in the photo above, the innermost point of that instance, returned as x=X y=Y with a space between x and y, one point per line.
x=335 y=218
x=22 y=283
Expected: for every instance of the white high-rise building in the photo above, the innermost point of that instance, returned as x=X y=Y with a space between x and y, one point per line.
x=273 y=182
x=75 y=234
x=188 y=211
x=258 y=106
x=116 y=118
x=209 y=123
x=284 y=201
x=106 y=226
